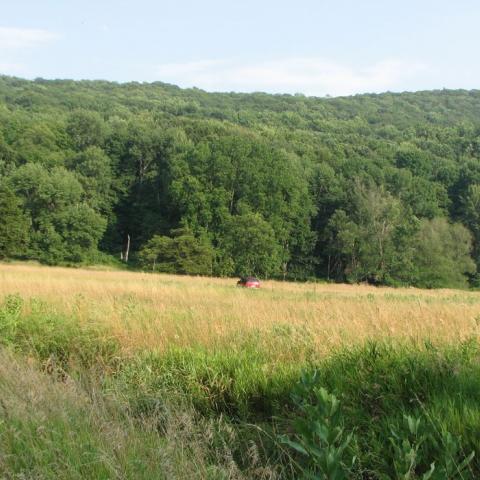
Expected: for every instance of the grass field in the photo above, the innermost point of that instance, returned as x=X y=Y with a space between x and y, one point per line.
x=114 y=374
x=159 y=311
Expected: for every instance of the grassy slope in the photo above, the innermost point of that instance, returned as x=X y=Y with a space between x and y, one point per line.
x=118 y=349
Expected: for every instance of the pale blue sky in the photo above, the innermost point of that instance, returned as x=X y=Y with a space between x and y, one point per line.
x=321 y=47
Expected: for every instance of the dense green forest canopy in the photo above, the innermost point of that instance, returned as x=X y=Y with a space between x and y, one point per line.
x=379 y=188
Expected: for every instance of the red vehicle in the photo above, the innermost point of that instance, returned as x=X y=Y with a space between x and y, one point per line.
x=249 y=282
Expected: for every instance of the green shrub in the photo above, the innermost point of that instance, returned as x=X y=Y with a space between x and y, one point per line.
x=320 y=435
x=415 y=449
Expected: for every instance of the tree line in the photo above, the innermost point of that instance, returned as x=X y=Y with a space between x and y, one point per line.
x=377 y=188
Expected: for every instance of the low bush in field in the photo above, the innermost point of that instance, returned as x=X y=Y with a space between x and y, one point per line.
x=419 y=447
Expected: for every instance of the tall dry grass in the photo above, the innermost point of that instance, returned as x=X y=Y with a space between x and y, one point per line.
x=154 y=311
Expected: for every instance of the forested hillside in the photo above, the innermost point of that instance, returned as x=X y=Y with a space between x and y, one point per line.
x=379 y=188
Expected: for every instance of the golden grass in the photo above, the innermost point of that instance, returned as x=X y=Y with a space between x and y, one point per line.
x=147 y=310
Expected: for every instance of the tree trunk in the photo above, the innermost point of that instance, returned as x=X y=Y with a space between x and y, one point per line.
x=127 y=250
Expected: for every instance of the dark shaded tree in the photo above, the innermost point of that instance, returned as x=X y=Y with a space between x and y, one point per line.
x=14 y=225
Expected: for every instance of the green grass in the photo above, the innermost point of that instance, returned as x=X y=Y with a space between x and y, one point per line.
x=221 y=413
x=53 y=336
x=70 y=430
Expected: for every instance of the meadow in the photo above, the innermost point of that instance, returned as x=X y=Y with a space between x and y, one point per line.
x=117 y=374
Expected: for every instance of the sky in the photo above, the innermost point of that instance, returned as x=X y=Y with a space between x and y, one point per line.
x=322 y=47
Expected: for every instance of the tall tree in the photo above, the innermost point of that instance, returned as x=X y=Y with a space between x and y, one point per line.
x=14 y=225
x=181 y=253
x=371 y=242
x=249 y=247
x=442 y=254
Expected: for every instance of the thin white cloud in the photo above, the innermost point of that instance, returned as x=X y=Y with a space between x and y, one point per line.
x=12 y=68
x=15 y=38
x=312 y=76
